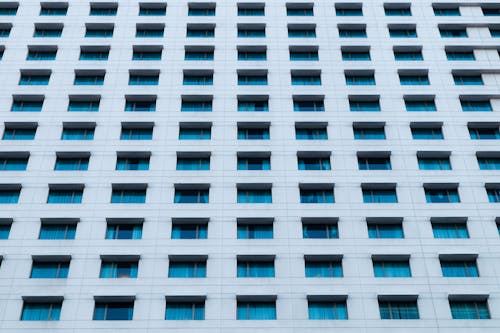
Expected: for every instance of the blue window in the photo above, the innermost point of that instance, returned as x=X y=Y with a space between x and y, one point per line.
x=308 y=106
x=193 y=163
x=34 y=80
x=450 y=230
x=301 y=33
x=319 y=230
x=414 y=80
x=254 y=196
x=369 y=133
x=9 y=196
x=140 y=106
x=77 y=134
x=306 y=80
x=94 y=55
x=484 y=133
x=132 y=163
x=460 y=55
x=40 y=32
x=200 y=55
x=453 y=33
x=491 y=11
x=88 y=80
x=152 y=11
x=324 y=310
x=398 y=310
x=201 y=12
x=113 y=311
x=13 y=164
x=248 y=11
x=435 y=195
x=403 y=33
x=124 y=231
x=401 y=11
x=469 y=310
x=149 y=33
x=185 y=311
x=8 y=11
x=385 y=230
x=391 y=269
x=476 y=105
x=255 y=231
x=364 y=105
x=447 y=11
x=468 y=80
x=143 y=80
x=339 y=11
x=198 y=80
x=200 y=33
x=352 y=33
x=495 y=33
x=128 y=196
x=5 y=32
x=320 y=163
x=192 y=106
x=256 y=310
x=41 y=55
x=253 y=134
x=356 y=55
x=300 y=11
x=146 y=55
x=72 y=163
x=324 y=269
x=420 y=106
x=466 y=268
x=252 y=55
x=118 y=270
x=57 y=231
x=408 y=55
x=41 y=311
x=360 y=80
x=374 y=163
x=316 y=196
x=99 y=33
x=186 y=133
x=254 y=163
x=103 y=11
x=434 y=163
x=186 y=196
x=493 y=194
x=189 y=231
x=187 y=269
x=53 y=11
x=489 y=163
x=59 y=196
x=26 y=106
x=49 y=270
x=5 y=231
x=379 y=196
x=255 y=269
x=427 y=133
x=304 y=55
x=81 y=106
x=253 y=106
x=311 y=133
x=252 y=80
x=136 y=134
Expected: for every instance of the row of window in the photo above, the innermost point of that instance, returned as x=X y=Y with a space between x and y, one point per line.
x=329 y=307
x=248 y=228
x=41 y=77
x=247 y=9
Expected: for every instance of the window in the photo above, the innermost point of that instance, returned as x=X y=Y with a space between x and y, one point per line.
x=397 y=10
x=144 y=104
x=254 y=162
x=257 y=105
x=5 y=29
x=94 y=53
x=361 y=105
x=380 y=229
x=53 y=230
x=65 y=196
x=182 y=229
x=310 y=133
x=13 y=161
x=118 y=269
x=391 y=268
x=327 y=310
x=476 y=105
x=367 y=162
x=301 y=31
x=53 y=9
x=408 y=55
x=130 y=162
x=89 y=78
x=420 y=105
x=493 y=192
x=359 y=78
x=488 y=163
x=484 y=133
x=320 y=268
x=369 y=133
x=105 y=310
x=252 y=79
x=71 y=133
x=468 y=80
x=200 y=54
x=146 y=53
x=320 y=228
x=191 y=196
x=152 y=9
x=48 y=30
x=352 y=31
x=198 y=9
x=379 y=195
x=252 y=54
x=355 y=54
x=317 y=196
x=255 y=269
x=495 y=32
x=254 y=195
x=69 y=162
x=450 y=230
x=143 y=78
x=348 y=10
x=306 y=105
x=34 y=78
x=81 y=104
x=312 y=163
x=9 y=194
x=459 y=268
x=446 y=11
x=179 y=268
x=195 y=133
x=41 y=53
x=149 y=30
x=184 y=310
x=303 y=79
x=299 y=10
x=193 y=163
x=9 y=9
x=473 y=309
x=5 y=231
x=136 y=133
x=49 y=269
x=441 y=195
x=200 y=30
x=392 y=309
x=256 y=310
x=128 y=195
x=491 y=11
x=460 y=55
x=396 y=31
x=97 y=30
x=414 y=79
x=427 y=133
x=198 y=78
x=196 y=105
x=304 y=55
x=41 y=310
x=103 y=9
x=255 y=230
x=121 y=230
x=251 y=133
x=251 y=31
x=452 y=32
x=251 y=9
x=433 y=163
x=31 y=104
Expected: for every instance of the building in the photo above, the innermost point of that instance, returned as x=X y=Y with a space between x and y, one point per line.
x=250 y=166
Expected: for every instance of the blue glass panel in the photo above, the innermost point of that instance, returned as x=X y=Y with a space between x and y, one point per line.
x=434 y=164
x=299 y=12
x=200 y=33
x=468 y=80
x=99 y=33
x=47 y=33
x=94 y=55
x=195 y=134
x=493 y=194
x=138 y=55
x=124 y=163
x=364 y=106
x=459 y=55
x=324 y=269
x=311 y=134
x=193 y=163
x=359 y=80
x=314 y=164
x=327 y=310
x=136 y=106
x=308 y=106
x=379 y=196
x=29 y=106
x=41 y=311
x=5 y=231
x=427 y=134
x=476 y=106
x=252 y=80
x=188 y=106
x=254 y=196
x=256 y=311
x=374 y=163
x=191 y=196
x=301 y=33
x=185 y=311
x=143 y=80
x=420 y=106
x=9 y=196
x=304 y=56
x=128 y=196
x=447 y=11
x=57 y=231
x=96 y=11
x=201 y=12
x=450 y=230
x=201 y=55
x=254 y=269
x=114 y=311
x=152 y=11
x=459 y=269
x=345 y=33
x=385 y=231
x=408 y=55
x=124 y=231
x=136 y=134
x=310 y=80
x=356 y=56
x=398 y=310
x=34 y=80
x=349 y=11
x=82 y=106
x=149 y=33
x=257 y=106
x=441 y=196
x=484 y=133
x=250 y=11
x=13 y=164
x=49 y=270
x=453 y=33
x=254 y=163
x=316 y=196
x=489 y=163
x=369 y=133
x=67 y=164
x=414 y=80
x=320 y=231
x=77 y=134
x=391 y=269
x=8 y=11
x=403 y=33
x=41 y=55
x=189 y=231
x=469 y=310
x=398 y=11
x=200 y=80
x=255 y=231
x=248 y=55
x=118 y=270
x=87 y=80
x=50 y=11
x=65 y=197
x=187 y=269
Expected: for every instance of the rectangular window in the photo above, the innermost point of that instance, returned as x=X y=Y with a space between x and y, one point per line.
x=311 y=133
x=8 y=11
x=41 y=311
x=256 y=310
x=152 y=11
x=59 y=196
x=255 y=269
x=306 y=80
x=388 y=230
x=5 y=231
x=304 y=55
x=476 y=105
x=185 y=311
x=349 y=11
x=459 y=268
x=26 y=106
x=484 y=133
x=143 y=80
x=199 y=55
x=189 y=231
x=98 y=33
x=252 y=55
x=301 y=32
x=493 y=194
x=469 y=310
x=77 y=134
x=88 y=80
x=308 y=106
x=408 y=56
x=434 y=163
x=82 y=106
x=132 y=163
x=447 y=11
x=94 y=55
x=53 y=11
x=320 y=163
x=247 y=11
x=299 y=12
x=200 y=33
x=324 y=269
x=192 y=106
x=187 y=269
x=253 y=106
x=434 y=195
x=149 y=33
x=316 y=196
x=468 y=80
x=49 y=270
x=118 y=270
x=316 y=230
x=140 y=106
x=254 y=163
x=71 y=163
x=450 y=230
x=374 y=163
x=124 y=231
x=352 y=33
x=324 y=310
x=401 y=11
x=427 y=133
x=489 y=163
x=103 y=11
x=252 y=80
x=34 y=80
x=128 y=196
x=254 y=196
x=379 y=196
x=251 y=32
x=398 y=310
x=453 y=33
x=146 y=55
x=369 y=133
x=360 y=80
x=19 y=134
x=255 y=231
x=186 y=196
x=198 y=80
x=388 y=269
x=414 y=80
x=364 y=105
x=57 y=231
x=186 y=133
x=403 y=33
x=113 y=311
x=41 y=55
x=253 y=134
x=49 y=32
x=460 y=55
x=9 y=196
x=193 y=163
x=356 y=55
x=420 y=105
x=201 y=11
x=136 y=134
x=13 y=164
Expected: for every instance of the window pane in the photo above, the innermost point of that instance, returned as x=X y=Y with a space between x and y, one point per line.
x=327 y=310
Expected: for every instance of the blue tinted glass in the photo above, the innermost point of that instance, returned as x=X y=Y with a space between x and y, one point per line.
x=4 y=231
x=53 y=11
x=254 y=196
x=57 y=231
x=391 y=269
x=114 y=311
x=194 y=134
x=185 y=311
x=13 y=164
x=442 y=196
x=30 y=106
x=19 y=134
x=254 y=163
x=459 y=269
x=316 y=196
x=94 y=55
x=355 y=56
x=189 y=231
x=469 y=310
x=80 y=106
x=364 y=106
x=324 y=269
x=251 y=269
x=65 y=196
x=489 y=163
x=420 y=106
x=84 y=80
x=371 y=163
x=191 y=196
x=385 y=231
x=189 y=269
x=434 y=164
x=193 y=163
x=369 y=133
x=188 y=106
x=379 y=196
x=128 y=196
x=124 y=231
x=50 y=270
x=143 y=55
x=41 y=311
x=138 y=106
x=34 y=80
x=327 y=310
x=201 y=55
x=256 y=106
x=314 y=163
x=311 y=134
x=125 y=163
x=41 y=55
x=255 y=231
x=427 y=133
x=320 y=231
x=136 y=134
x=408 y=55
x=77 y=134
x=117 y=270
x=101 y=33
x=9 y=196
x=72 y=164
x=256 y=311
x=476 y=106
x=450 y=230
x=398 y=310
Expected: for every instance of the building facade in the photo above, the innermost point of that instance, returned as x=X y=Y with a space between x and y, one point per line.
x=250 y=166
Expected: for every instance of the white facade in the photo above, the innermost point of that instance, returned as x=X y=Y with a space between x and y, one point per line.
x=221 y=287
